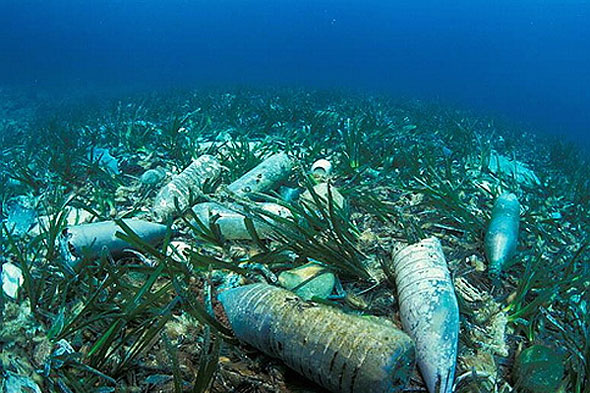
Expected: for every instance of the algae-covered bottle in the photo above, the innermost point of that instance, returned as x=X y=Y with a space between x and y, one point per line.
x=341 y=352
x=429 y=310
x=502 y=234
x=188 y=184
x=265 y=176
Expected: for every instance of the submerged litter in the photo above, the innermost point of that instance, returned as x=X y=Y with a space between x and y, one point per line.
x=185 y=189
x=343 y=353
x=502 y=234
x=233 y=225
x=87 y=241
x=12 y=279
x=264 y=177
x=429 y=310
x=21 y=215
x=503 y=166
x=105 y=160
x=15 y=383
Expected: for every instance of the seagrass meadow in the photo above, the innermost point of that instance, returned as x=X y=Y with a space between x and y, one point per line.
x=407 y=170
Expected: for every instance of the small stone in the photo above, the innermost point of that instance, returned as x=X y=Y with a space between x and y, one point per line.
x=152 y=176
x=321 y=282
x=539 y=369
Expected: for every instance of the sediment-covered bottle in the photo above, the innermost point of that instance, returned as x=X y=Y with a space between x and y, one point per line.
x=232 y=223
x=188 y=184
x=265 y=176
x=88 y=240
x=429 y=310
x=341 y=352
x=502 y=235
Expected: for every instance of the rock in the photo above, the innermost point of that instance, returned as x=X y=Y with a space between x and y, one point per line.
x=152 y=177
x=539 y=369
x=321 y=281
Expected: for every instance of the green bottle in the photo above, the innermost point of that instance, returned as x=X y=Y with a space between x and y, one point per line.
x=502 y=234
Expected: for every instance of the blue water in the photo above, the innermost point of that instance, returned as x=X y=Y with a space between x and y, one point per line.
x=525 y=60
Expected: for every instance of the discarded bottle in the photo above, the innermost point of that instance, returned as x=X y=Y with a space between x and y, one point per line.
x=341 y=352
x=265 y=176
x=185 y=185
x=502 y=234
x=231 y=222
x=429 y=310
x=87 y=240
x=539 y=369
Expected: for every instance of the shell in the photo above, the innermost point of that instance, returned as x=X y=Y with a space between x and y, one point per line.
x=184 y=185
x=429 y=311
x=341 y=352
x=502 y=235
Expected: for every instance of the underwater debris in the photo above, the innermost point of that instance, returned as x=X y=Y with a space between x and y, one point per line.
x=321 y=169
x=15 y=383
x=177 y=194
x=265 y=176
x=539 y=369
x=289 y=194
x=106 y=160
x=73 y=217
x=502 y=234
x=501 y=165
x=308 y=281
x=88 y=240
x=324 y=191
x=429 y=310
x=232 y=224
x=341 y=352
x=21 y=215
x=11 y=278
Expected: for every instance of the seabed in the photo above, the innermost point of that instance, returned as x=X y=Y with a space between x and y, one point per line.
x=406 y=170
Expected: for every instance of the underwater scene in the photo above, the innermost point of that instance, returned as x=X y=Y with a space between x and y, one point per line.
x=294 y=196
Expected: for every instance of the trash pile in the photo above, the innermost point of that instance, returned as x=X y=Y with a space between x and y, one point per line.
x=354 y=285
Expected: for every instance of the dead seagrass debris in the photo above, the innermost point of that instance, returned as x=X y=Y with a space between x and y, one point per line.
x=88 y=240
x=341 y=352
x=502 y=234
x=177 y=194
x=429 y=310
